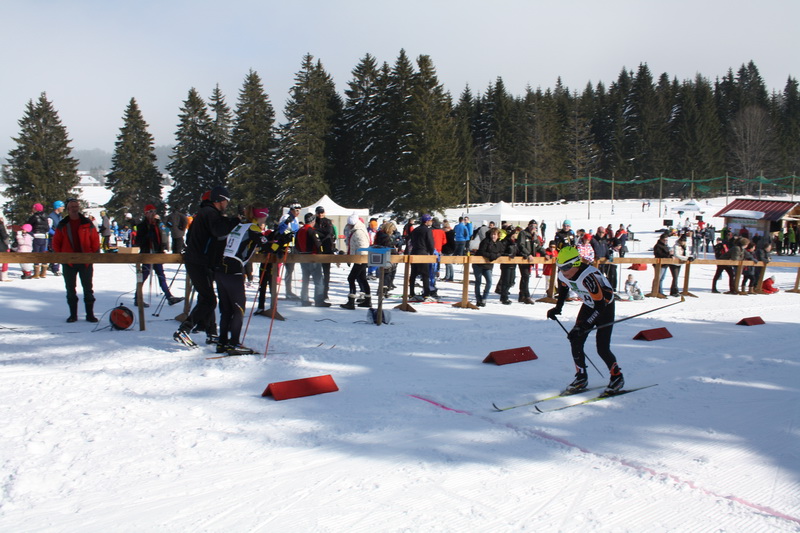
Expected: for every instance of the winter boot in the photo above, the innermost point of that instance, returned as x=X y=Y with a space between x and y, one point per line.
x=351 y=302
x=579 y=383
x=36 y=271
x=89 y=305
x=366 y=302
x=42 y=271
x=73 y=311
x=616 y=382
x=4 y=276
x=26 y=274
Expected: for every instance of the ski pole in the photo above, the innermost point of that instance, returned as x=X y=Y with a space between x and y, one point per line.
x=160 y=306
x=587 y=357
x=683 y=299
x=274 y=298
x=261 y=278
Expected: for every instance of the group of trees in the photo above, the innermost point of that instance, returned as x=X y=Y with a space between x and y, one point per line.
x=398 y=142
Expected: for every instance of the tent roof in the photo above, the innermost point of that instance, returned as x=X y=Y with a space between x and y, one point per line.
x=772 y=209
x=332 y=208
x=500 y=211
x=691 y=205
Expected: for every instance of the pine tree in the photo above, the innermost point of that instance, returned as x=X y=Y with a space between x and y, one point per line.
x=306 y=145
x=433 y=145
x=360 y=141
x=41 y=169
x=191 y=156
x=697 y=132
x=788 y=121
x=221 y=140
x=465 y=116
x=394 y=132
x=252 y=178
x=134 y=178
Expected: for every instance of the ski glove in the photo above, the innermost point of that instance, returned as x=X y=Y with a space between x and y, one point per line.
x=553 y=312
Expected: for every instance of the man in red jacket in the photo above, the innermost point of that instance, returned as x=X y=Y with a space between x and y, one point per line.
x=77 y=234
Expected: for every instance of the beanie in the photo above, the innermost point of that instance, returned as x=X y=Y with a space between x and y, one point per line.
x=568 y=222
x=219 y=193
x=27 y=228
x=38 y=207
x=149 y=207
x=261 y=212
x=424 y=218
x=57 y=204
x=353 y=219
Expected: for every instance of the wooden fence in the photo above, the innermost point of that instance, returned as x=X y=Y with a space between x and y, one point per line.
x=148 y=259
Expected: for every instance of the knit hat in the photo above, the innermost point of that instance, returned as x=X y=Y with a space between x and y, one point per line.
x=27 y=228
x=424 y=218
x=319 y=209
x=261 y=212
x=309 y=217
x=57 y=204
x=567 y=222
x=38 y=207
x=219 y=193
x=149 y=207
x=353 y=219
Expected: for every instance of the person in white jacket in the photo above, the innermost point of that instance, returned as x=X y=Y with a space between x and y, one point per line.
x=680 y=251
x=357 y=238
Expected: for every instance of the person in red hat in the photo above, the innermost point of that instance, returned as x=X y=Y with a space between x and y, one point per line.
x=149 y=240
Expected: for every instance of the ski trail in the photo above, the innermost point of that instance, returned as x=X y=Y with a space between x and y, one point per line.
x=620 y=461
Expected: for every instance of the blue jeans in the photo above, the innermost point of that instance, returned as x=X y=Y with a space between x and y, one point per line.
x=481 y=274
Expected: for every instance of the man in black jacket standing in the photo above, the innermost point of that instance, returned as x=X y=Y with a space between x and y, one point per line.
x=421 y=243
x=327 y=238
x=204 y=248
x=148 y=240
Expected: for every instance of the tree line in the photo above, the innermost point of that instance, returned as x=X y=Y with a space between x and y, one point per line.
x=397 y=141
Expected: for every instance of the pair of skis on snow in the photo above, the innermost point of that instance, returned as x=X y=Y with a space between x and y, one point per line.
x=602 y=396
x=181 y=337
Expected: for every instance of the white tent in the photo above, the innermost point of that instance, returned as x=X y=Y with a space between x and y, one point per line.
x=691 y=205
x=499 y=212
x=337 y=214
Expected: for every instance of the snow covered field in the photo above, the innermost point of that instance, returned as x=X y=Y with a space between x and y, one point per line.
x=128 y=431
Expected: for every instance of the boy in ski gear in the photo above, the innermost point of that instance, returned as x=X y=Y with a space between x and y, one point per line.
x=243 y=242
x=77 y=234
x=597 y=309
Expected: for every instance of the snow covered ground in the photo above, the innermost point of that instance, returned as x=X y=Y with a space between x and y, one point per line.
x=127 y=431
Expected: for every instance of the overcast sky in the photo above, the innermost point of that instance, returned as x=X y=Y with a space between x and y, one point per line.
x=92 y=57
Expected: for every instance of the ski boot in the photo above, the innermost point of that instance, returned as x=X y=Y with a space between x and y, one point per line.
x=239 y=349
x=616 y=382
x=579 y=383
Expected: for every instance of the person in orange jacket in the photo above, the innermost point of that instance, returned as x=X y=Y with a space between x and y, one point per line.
x=76 y=234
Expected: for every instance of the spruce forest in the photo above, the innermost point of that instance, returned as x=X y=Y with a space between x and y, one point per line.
x=398 y=141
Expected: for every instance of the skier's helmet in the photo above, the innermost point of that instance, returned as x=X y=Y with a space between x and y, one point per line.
x=568 y=257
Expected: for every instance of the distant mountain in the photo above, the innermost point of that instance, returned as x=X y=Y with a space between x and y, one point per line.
x=100 y=159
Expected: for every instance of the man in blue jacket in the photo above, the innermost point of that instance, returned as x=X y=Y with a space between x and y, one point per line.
x=463 y=234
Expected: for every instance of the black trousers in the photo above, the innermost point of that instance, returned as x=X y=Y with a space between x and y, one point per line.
x=602 y=338
x=358 y=274
x=202 y=315
x=71 y=275
x=231 y=307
